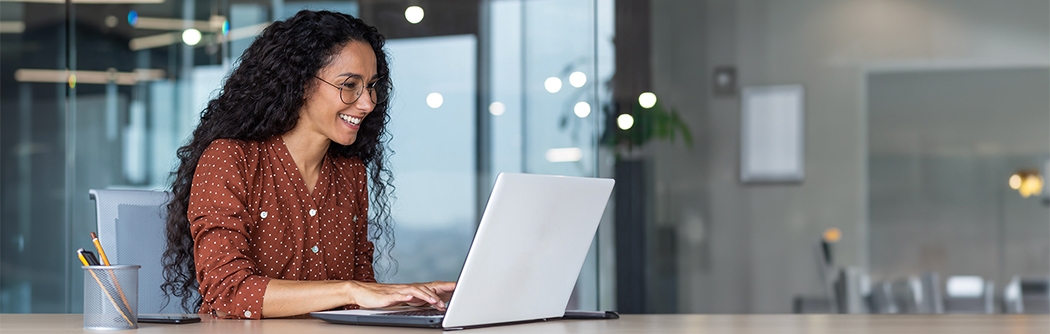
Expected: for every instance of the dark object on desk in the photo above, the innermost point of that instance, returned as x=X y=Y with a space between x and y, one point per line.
x=169 y=318
x=810 y=305
x=90 y=257
x=583 y=315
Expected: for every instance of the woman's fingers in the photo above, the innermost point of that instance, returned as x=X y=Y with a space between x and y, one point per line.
x=384 y=295
x=418 y=295
x=442 y=289
x=428 y=295
x=441 y=286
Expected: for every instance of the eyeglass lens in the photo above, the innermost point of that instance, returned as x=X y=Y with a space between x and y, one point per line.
x=352 y=89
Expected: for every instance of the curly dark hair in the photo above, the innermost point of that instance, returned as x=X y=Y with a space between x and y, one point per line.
x=261 y=99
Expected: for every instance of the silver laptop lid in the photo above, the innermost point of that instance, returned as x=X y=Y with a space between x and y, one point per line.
x=529 y=249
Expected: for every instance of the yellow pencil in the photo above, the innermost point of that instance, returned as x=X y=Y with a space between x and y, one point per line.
x=98 y=246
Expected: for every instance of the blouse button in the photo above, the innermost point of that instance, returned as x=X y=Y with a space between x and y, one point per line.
x=314 y=249
x=355 y=218
x=247 y=314
x=263 y=214
x=313 y=212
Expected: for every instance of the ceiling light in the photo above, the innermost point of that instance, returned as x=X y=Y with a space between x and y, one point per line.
x=414 y=14
x=577 y=79
x=153 y=41
x=582 y=109
x=552 y=84
x=647 y=100
x=1027 y=182
x=110 y=21
x=625 y=121
x=191 y=36
x=497 y=108
x=1015 y=181
x=214 y=24
x=435 y=100
x=106 y=2
x=12 y=27
x=88 y=77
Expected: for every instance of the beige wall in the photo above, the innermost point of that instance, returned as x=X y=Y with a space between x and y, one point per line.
x=748 y=248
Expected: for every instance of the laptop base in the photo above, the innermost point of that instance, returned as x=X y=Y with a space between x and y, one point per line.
x=392 y=320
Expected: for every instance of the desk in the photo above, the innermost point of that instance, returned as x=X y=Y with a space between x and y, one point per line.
x=686 y=323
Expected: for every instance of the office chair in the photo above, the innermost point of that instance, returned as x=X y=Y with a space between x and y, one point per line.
x=908 y=295
x=131 y=229
x=851 y=288
x=1027 y=295
x=969 y=294
x=931 y=292
x=882 y=299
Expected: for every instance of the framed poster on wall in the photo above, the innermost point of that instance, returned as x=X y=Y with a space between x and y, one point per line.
x=771 y=134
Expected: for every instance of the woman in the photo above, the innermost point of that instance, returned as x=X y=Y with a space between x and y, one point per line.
x=270 y=209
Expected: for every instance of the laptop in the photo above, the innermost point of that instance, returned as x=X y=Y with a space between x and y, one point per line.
x=525 y=258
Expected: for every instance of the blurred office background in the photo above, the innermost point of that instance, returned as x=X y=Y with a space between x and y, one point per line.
x=771 y=156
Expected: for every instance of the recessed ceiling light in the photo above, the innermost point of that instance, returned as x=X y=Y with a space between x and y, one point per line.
x=414 y=14
x=435 y=100
x=577 y=79
x=191 y=36
x=582 y=109
x=647 y=100
x=552 y=84
x=497 y=108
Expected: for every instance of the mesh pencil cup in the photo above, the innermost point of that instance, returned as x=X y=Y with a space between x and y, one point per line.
x=111 y=295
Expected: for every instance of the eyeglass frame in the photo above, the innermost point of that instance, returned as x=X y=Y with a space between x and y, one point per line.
x=370 y=87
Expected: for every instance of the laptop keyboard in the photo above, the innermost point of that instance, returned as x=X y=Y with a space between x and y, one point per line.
x=418 y=313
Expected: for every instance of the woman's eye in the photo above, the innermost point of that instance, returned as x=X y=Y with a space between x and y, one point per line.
x=350 y=85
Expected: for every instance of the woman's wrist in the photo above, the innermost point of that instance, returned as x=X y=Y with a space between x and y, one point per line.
x=350 y=289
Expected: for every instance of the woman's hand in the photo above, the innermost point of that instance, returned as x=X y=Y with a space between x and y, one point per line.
x=442 y=289
x=376 y=295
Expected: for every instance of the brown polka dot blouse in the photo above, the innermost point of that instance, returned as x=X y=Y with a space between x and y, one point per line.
x=252 y=219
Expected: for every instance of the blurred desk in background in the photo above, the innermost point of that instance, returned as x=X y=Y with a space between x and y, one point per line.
x=684 y=323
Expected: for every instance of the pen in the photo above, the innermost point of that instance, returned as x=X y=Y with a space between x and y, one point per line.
x=80 y=254
x=98 y=246
x=89 y=257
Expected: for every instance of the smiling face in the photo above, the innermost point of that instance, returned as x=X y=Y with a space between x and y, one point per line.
x=324 y=113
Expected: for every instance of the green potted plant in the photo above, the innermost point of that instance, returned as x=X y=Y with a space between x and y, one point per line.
x=624 y=131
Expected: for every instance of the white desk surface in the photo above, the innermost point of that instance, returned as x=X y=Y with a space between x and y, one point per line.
x=685 y=323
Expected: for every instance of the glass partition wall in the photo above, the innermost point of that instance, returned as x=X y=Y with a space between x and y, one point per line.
x=100 y=94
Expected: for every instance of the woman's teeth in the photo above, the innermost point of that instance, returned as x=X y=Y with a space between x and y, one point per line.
x=351 y=120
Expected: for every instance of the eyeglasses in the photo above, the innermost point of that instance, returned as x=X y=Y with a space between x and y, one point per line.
x=352 y=88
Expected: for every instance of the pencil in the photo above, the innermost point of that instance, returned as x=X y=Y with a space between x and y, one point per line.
x=98 y=246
